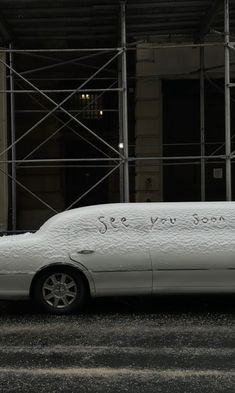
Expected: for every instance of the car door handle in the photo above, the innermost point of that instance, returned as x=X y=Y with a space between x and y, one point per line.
x=85 y=252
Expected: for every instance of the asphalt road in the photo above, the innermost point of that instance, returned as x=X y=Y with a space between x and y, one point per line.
x=166 y=344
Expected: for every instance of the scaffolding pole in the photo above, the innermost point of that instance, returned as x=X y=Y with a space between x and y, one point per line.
x=13 y=150
x=120 y=117
x=124 y=103
x=202 y=122
x=130 y=48
x=227 y=103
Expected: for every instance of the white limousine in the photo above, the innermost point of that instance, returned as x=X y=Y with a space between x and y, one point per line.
x=121 y=249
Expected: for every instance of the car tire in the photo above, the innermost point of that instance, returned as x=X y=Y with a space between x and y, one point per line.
x=59 y=291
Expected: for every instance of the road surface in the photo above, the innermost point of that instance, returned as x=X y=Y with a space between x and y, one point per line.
x=166 y=344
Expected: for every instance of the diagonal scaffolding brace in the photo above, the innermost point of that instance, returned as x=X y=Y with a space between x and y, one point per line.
x=61 y=107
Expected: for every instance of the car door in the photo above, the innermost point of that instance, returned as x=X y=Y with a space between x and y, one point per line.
x=110 y=246
x=197 y=255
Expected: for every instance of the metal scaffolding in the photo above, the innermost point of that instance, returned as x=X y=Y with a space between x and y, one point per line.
x=227 y=102
x=115 y=158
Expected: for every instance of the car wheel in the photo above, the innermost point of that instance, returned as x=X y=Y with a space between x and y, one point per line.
x=59 y=291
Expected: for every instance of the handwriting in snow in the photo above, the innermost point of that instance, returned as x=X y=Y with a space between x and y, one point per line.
x=114 y=224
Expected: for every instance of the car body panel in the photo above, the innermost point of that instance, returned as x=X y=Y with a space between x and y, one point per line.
x=197 y=253
x=108 y=247
x=15 y=285
x=128 y=249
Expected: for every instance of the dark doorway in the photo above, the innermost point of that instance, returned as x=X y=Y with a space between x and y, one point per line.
x=181 y=137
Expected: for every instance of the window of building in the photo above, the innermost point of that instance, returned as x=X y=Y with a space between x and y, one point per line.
x=90 y=106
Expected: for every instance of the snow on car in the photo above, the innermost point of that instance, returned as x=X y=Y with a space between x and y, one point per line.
x=121 y=249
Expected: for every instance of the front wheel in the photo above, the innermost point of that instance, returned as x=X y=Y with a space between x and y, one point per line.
x=59 y=291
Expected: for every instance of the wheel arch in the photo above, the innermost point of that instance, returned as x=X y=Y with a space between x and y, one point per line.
x=85 y=276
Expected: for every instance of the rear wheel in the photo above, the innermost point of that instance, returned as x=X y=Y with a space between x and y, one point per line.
x=59 y=290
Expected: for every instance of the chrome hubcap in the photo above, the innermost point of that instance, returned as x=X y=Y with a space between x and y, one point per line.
x=59 y=290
